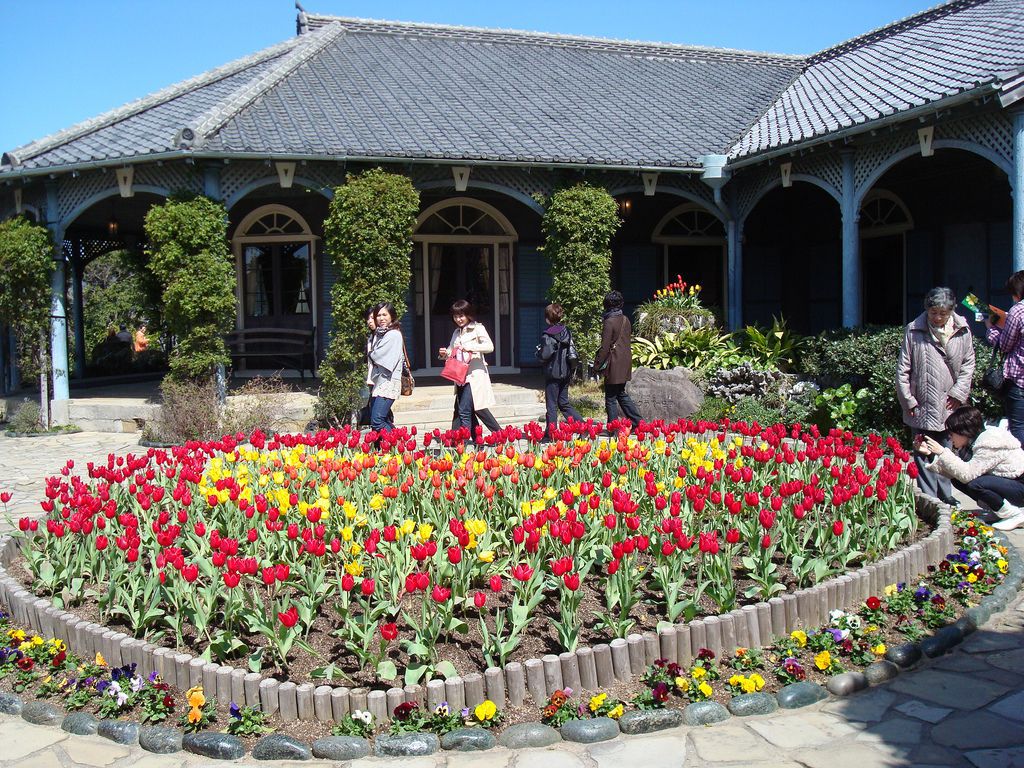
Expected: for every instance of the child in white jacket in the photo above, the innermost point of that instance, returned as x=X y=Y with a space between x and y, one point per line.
x=993 y=470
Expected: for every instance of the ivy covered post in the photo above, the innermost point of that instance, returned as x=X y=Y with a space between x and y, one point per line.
x=368 y=233
x=26 y=260
x=578 y=225
x=190 y=259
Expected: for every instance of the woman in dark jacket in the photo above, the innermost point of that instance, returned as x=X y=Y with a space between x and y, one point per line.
x=614 y=360
x=557 y=351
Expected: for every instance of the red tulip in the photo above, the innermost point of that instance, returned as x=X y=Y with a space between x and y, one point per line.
x=231 y=579
x=348 y=582
x=454 y=555
x=767 y=519
x=572 y=581
x=190 y=572
x=479 y=599
x=368 y=586
x=282 y=571
x=732 y=536
x=708 y=542
x=522 y=572
x=837 y=528
x=496 y=584
x=389 y=631
x=439 y=594
x=5 y=497
x=101 y=543
x=766 y=541
x=268 y=575
x=290 y=617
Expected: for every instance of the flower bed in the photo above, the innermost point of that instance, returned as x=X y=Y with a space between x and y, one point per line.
x=739 y=683
x=326 y=555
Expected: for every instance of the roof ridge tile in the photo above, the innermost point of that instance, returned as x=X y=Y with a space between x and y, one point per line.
x=39 y=146
x=208 y=123
x=608 y=45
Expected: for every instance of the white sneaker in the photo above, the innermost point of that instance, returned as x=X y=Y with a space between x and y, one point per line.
x=1007 y=510
x=1010 y=523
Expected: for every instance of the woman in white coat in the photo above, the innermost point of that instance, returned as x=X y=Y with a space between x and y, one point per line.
x=386 y=355
x=986 y=463
x=469 y=343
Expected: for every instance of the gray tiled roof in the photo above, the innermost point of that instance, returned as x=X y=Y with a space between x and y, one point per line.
x=934 y=55
x=361 y=88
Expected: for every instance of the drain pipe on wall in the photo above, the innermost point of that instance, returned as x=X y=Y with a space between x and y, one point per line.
x=716 y=175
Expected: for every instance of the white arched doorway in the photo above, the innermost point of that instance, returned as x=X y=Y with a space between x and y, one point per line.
x=693 y=245
x=463 y=250
x=275 y=253
x=884 y=223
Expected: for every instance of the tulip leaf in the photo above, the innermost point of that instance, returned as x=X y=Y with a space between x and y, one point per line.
x=446 y=668
x=414 y=672
x=416 y=649
x=386 y=670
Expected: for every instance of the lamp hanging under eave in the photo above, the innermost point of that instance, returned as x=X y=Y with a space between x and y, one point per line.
x=625 y=206
x=112 y=226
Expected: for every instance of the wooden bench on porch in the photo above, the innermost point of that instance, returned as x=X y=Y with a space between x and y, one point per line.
x=292 y=348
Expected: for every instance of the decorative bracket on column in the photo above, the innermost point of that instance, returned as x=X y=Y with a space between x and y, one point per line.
x=924 y=137
x=285 y=174
x=461 y=175
x=17 y=200
x=125 y=176
x=786 y=169
x=650 y=183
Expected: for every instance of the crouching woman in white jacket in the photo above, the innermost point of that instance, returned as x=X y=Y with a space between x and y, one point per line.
x=986 y=463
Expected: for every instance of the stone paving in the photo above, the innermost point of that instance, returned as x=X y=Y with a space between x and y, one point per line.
x=963 y=709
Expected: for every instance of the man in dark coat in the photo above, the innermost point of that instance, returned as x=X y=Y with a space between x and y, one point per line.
x=614 y=360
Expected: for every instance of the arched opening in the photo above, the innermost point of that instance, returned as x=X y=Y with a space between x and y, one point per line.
x=792 y=259
x=104 y=245
x=693 y=243
x=959 y=208
x=884 y=223
x=463 y=249
x=275 y=253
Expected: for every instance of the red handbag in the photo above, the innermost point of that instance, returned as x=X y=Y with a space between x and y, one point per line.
x=455 y=370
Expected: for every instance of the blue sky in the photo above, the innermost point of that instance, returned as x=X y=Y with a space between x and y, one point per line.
x=68 y=60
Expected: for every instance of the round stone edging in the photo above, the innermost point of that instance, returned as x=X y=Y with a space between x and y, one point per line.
x=796 y=695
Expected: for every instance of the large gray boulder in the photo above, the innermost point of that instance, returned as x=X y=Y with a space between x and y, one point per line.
x=668 y=395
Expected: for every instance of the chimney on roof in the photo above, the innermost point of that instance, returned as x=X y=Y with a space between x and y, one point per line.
x=301 y=22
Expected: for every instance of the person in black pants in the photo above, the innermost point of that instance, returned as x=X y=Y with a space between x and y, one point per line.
x=557 y=352
x=614 y=360
x=986 y=463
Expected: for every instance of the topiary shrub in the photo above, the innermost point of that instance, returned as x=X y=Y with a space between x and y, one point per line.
x=190 y=258
x=26 y=261
x=578 y=225
x=368 y=233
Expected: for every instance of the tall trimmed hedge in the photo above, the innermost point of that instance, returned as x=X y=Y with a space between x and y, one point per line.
x=26 y=261
x=368 y=233
x=190 y=258
x=578 y=225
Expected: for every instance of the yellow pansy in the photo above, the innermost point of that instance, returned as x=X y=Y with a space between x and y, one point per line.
x=737 y=680
x=195 y=697
x=698 y=673
x=879 y=650
x=682 y=684
x=596 y=702
x=800 y=636
x=890 y=590
x=485 y=711
x=616 y=712
x=757 y=680
x=823 y=660
x=194 y=715
x=705 y=689
x=100 y=661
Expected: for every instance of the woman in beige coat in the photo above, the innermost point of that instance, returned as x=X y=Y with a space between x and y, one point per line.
x=933 y=379
x=469 y=343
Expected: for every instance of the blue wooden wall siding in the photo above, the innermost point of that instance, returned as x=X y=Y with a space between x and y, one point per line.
x=533 y=281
